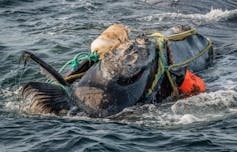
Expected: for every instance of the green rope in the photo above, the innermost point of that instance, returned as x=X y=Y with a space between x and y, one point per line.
x=163 y=68
x=78 y=58
x=65 y=88
x=81 y=56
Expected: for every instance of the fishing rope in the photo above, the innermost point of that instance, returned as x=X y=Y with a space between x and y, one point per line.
x=81 y=56
x=74 y=76
x=75 y=62
x=65 y=88
x=163 y=67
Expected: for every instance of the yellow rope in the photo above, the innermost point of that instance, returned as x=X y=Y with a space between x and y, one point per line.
x=181 y=36
x=194 y=57
x=161 y=39
x=175 y=90
x=161 y=68
x=172 y=83
x=74 y=76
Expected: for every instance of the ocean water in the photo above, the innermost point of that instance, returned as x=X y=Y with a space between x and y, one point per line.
x=57 y=29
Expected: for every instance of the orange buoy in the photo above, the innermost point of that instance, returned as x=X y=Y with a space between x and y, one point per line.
x=192 y=84
x=110 y=39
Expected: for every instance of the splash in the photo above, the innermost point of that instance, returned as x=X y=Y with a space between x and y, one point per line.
x=202 y=108
x=11 y=99
x=206 y=107
x=206 y=103
x=214 y=15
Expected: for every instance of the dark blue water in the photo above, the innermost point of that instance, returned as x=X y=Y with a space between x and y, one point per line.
x=58 y=29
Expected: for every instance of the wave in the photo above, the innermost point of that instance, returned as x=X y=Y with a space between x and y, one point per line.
x=213 y=15
x=207 y=103
x=206 y=107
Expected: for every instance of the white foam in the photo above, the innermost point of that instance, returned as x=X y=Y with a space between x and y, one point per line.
x=214 y=102
x=11 y=96
x=205 y=107
x=7 y=92
x=213 y=15
x=187 y=119
x=12 y=105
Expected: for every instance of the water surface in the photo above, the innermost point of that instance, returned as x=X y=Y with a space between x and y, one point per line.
x=58 y=29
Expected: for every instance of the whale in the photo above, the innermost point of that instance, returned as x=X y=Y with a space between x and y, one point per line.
x=120 y=79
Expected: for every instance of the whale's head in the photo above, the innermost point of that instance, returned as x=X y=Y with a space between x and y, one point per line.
x=118 y=80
